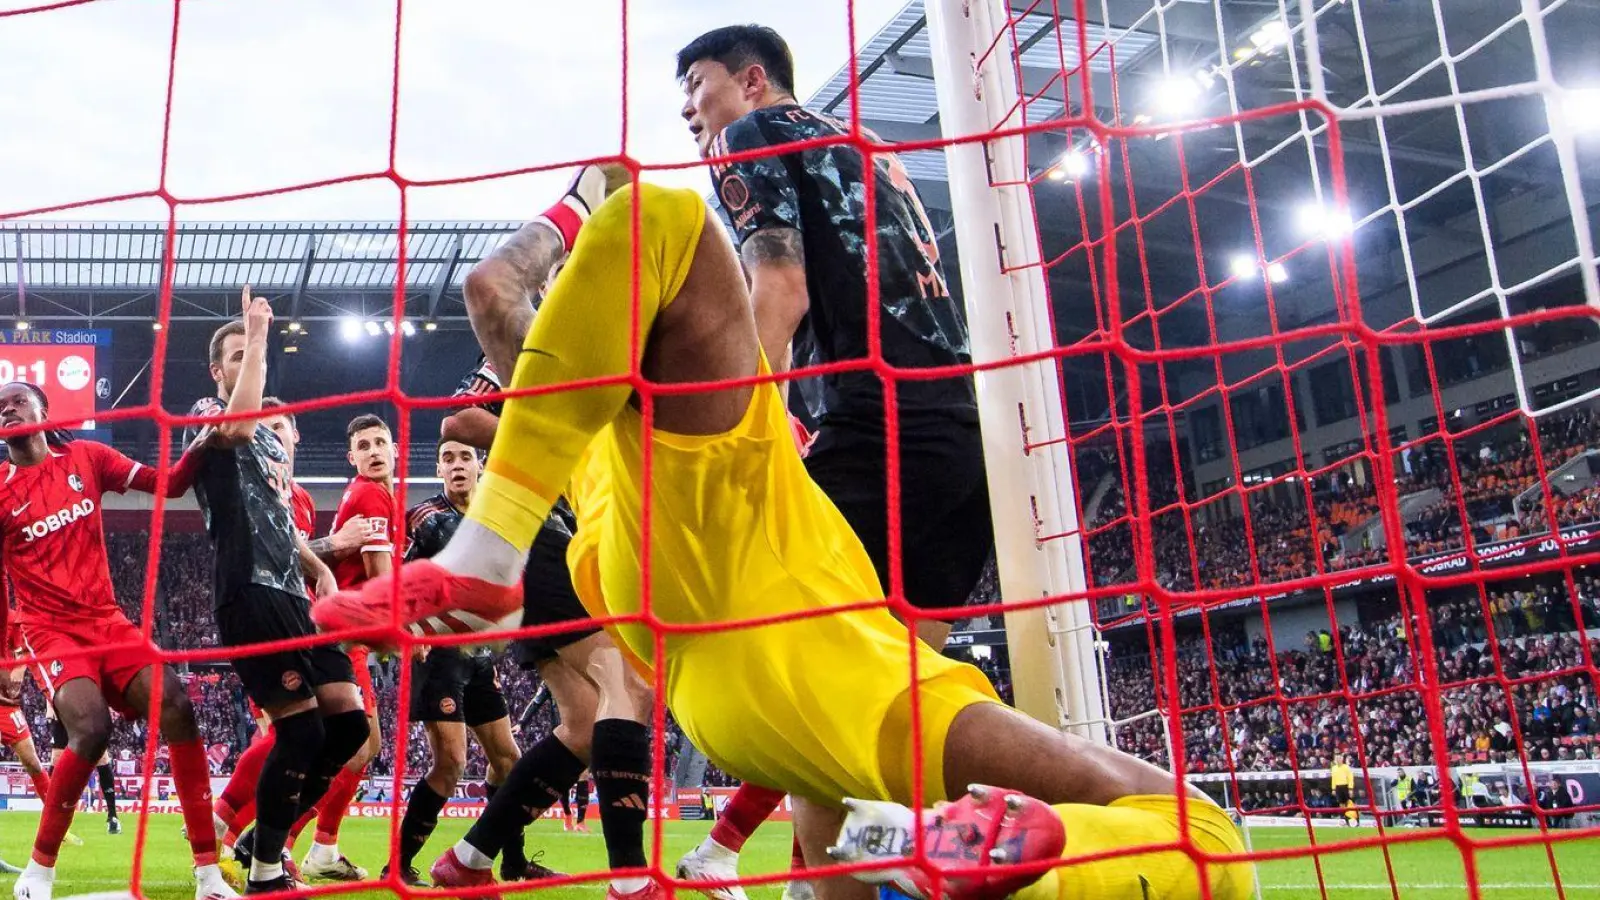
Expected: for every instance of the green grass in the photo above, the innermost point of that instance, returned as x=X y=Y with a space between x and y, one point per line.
x=1425 y=870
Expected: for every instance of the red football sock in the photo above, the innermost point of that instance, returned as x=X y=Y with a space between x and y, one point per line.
x=797 y=860
x=41 y=784
x=192 y=777
x=240 y=793
x=242 y=819
x=300 y=824
x=67 y=782
x=336 y=804
x=750 y=806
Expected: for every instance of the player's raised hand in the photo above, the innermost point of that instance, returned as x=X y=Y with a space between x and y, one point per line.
x=257 y=316
x=590 y=186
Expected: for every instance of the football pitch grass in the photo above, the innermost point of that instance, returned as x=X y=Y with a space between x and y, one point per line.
x=1426 y=870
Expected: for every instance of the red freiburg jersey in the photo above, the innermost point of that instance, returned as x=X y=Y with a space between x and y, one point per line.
x=50 y=533
x=305 y=510
x=365 y=497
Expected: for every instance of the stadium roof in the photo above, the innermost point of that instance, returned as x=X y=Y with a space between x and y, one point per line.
x=311 y=255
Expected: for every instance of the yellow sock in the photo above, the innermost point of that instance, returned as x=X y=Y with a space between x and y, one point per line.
x=581 y=333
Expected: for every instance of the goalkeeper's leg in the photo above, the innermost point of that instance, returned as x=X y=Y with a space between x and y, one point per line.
x=580 y=336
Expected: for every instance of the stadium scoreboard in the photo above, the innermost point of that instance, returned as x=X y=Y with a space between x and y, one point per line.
x=64 y=362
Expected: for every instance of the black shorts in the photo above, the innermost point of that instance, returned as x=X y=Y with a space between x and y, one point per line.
x=947 y=535
x=454 y=686
x=58 y=735
x=548 y=599
x=256 y=614
x=1341 y=795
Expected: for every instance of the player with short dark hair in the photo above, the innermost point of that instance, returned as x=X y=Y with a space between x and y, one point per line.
x=245 y=491
x=738 y=47
x=53 y=550
x=454 y=690
x=801 y=219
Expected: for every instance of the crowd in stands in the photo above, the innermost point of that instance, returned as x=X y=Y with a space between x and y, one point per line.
x=1491 y=469
x=1211 y=546
x=1512 y=672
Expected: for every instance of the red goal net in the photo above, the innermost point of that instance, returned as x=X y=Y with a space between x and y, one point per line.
x=1284 y=321
x=1334 y=471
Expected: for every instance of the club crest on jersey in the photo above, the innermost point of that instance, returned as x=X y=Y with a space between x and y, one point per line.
x=57 y=520
x=74 y=482
x=55 y=668
x=735 y=193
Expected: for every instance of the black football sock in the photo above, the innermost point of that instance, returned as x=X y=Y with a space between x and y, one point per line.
x=583 y=802
x=283 y=780
x=345 y=733
x=108 y=788
x=421 y=818
x=514 y=855
x=535 y=784
x=620 y=764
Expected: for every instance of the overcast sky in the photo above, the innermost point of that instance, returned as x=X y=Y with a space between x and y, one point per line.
x=278 y=92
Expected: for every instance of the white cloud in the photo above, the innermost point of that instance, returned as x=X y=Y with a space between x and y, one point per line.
x=278 y=92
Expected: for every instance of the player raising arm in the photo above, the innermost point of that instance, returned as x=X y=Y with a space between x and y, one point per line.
x=243 y=487
x=235 y=807
x=53 y=548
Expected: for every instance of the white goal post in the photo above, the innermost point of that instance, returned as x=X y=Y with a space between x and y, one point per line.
x=1054 y=668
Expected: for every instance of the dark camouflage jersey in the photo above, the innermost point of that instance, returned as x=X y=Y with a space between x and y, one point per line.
x=483 y=380
x=821 y=192
x=429 y=526
x=245 y=494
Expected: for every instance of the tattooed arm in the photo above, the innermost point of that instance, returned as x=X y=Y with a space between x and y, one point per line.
x=501 y=289
x=763 y=204
x=776 y=262
x=347 y=540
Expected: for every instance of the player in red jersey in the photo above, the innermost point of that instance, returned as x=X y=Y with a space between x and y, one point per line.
x=53 y=549
x=235 y=807
x=370 y=495
x=16 y=736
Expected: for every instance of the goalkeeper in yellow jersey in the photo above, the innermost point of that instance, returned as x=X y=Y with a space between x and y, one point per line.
x=819 y=705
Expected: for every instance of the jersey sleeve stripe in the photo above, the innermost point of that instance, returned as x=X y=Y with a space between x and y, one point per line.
x=128 y=483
